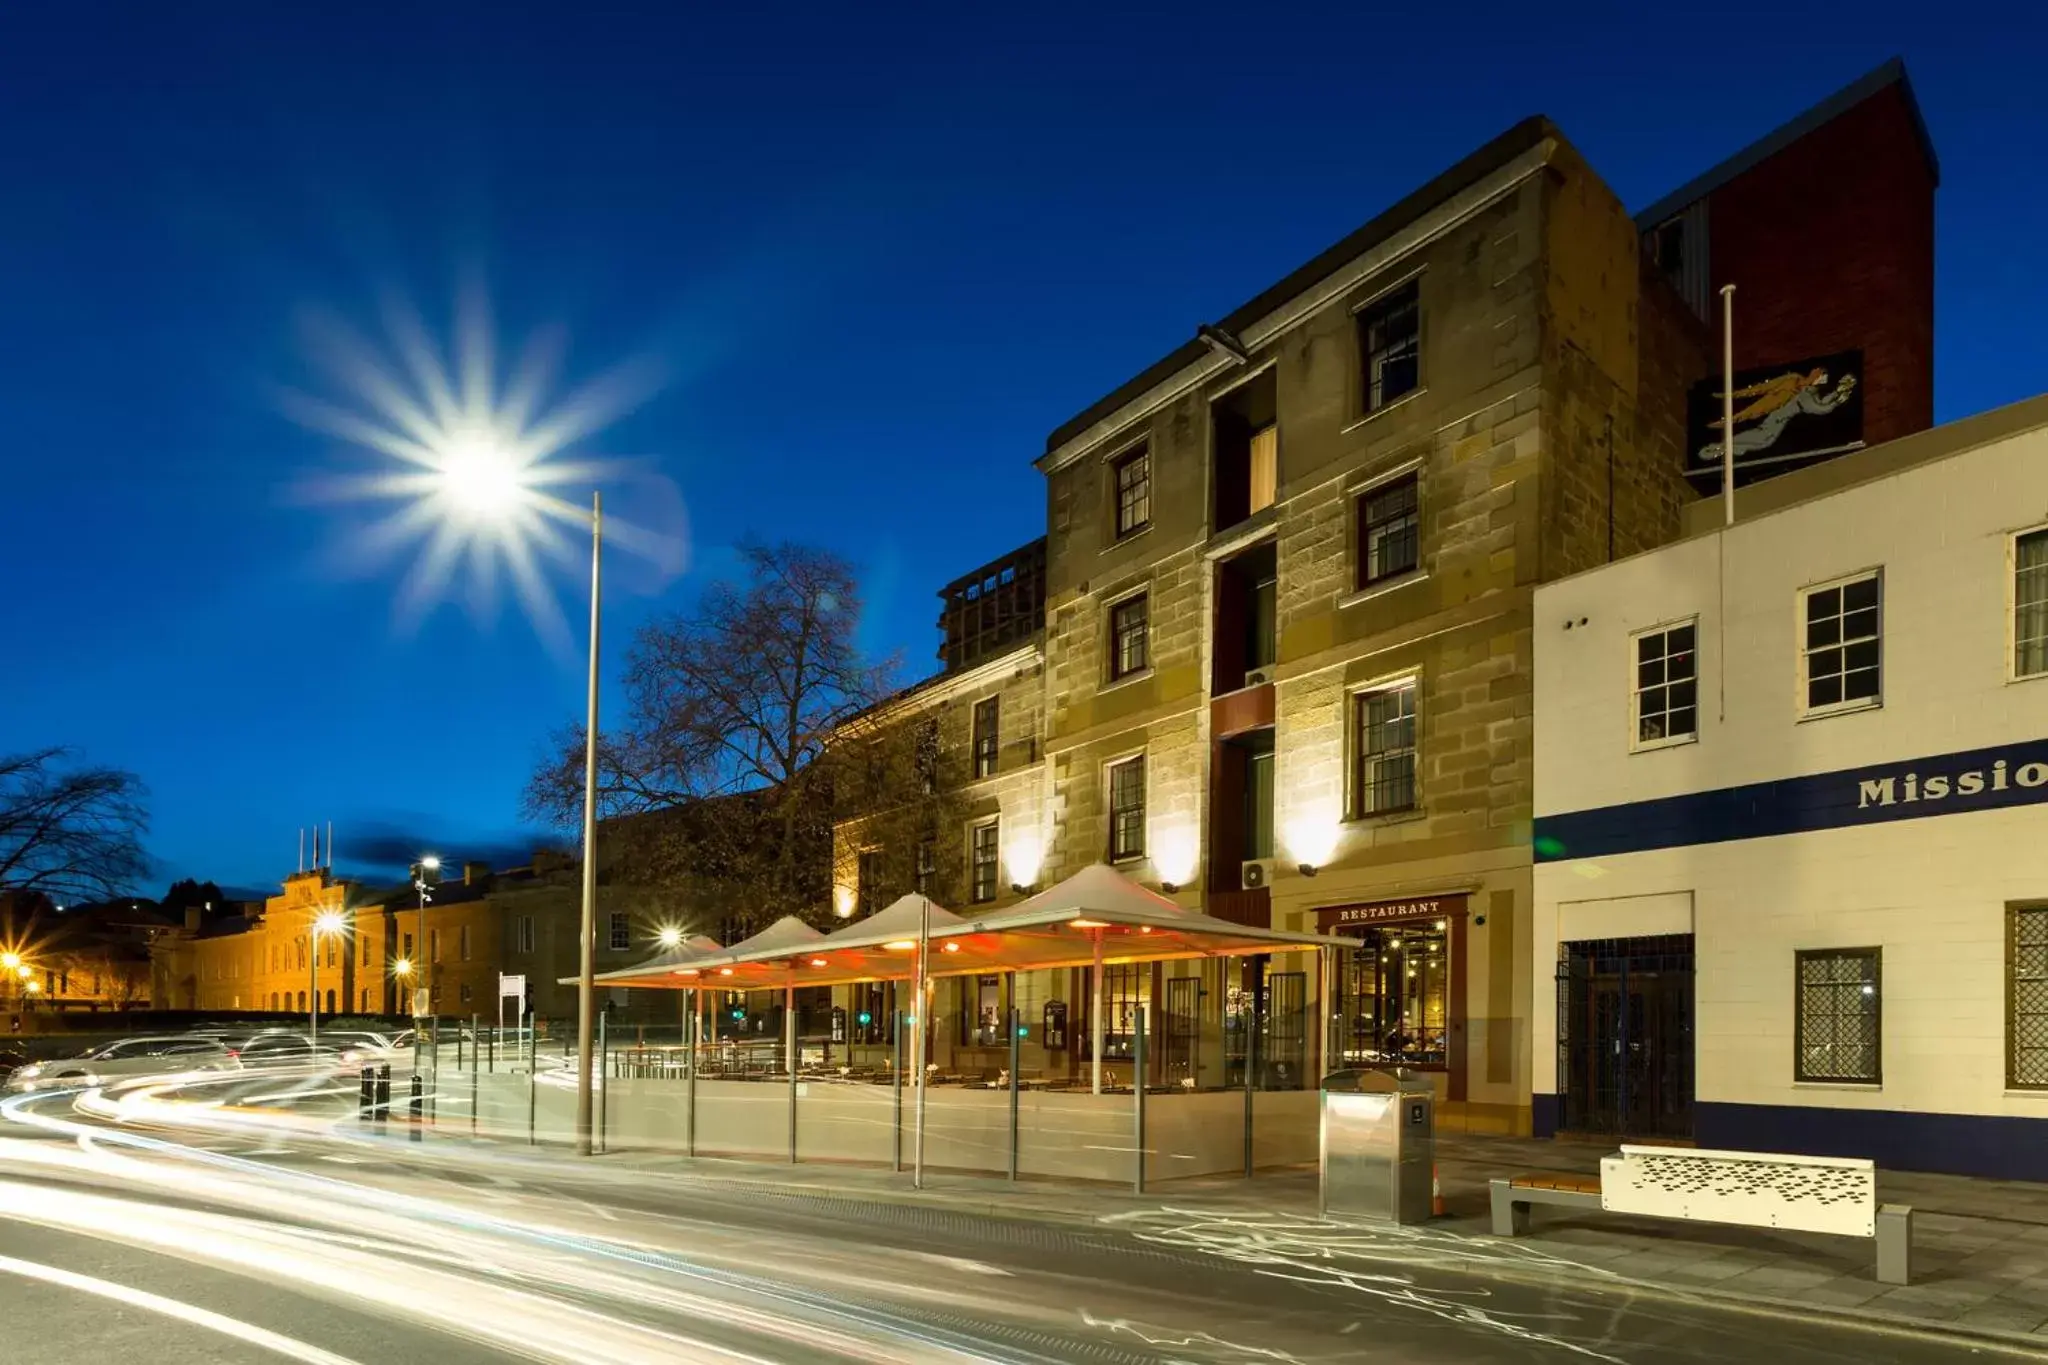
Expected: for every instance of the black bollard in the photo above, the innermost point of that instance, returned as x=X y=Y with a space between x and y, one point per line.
x=366 y=1094
x=417 y=1094
x=381 y=1104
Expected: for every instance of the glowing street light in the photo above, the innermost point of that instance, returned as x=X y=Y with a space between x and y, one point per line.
x=670 y=937
x=326 y=924
x=10 y=960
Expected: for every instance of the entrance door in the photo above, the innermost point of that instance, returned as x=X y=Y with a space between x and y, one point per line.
x=1624 y=1036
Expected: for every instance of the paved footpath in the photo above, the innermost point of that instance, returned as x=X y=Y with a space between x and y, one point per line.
x=1980 y=1248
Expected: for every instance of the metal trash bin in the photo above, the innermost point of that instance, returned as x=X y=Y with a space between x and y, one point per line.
x=1378 y=1139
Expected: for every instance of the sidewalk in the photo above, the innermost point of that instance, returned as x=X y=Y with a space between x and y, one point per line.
x=1980 y=1248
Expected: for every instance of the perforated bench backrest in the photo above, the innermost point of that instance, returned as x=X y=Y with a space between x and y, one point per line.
x=1756 y=1189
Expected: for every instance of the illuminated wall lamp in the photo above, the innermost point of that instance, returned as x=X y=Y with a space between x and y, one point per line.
x=1170 y=888
x=1307 y=869
x=1019 y=889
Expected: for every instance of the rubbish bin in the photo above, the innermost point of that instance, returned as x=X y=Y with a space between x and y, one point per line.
x=1378 y=1145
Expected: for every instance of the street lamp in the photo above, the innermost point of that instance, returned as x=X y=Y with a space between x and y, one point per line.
x=670 y=937
x=483 y=479
x=325 y=924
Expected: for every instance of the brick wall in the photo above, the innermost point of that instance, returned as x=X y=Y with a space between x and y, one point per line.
x=1830 y=245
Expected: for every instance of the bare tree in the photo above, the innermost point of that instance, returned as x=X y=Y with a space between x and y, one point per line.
x=732 y=716
x=71 y=834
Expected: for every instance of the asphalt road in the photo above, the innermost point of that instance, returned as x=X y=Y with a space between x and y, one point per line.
x=187 y=1234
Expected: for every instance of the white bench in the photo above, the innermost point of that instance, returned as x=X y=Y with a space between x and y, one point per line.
x=1834 y=1195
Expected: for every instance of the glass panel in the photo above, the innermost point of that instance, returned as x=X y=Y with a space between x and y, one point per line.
x=2030 y=604
x=1393 y=1002
x=1861 y=593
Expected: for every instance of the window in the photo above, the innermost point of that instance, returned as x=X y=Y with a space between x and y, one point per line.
x=366 y=1000
x=465 y=993
x=1838 y=1016
x=1666 y=686
x=1128 y=622
x=987 y=715
x=867 y=873
x=1390 y=530
x=2026 y=997
x=1265 y=467
x=366 y=950
x=981 y=1011
x=2030 y=604
x=1389 y=333
x=1127 y=809
x=525 y=932
x=1840 y=660
x=1133 y=491
x=874 y=1013
x=1124 y=992
x=1393 y=1005
x=433 y=945
x=1258 y=802
x=927 y=756
x=1386 y=750
x=983 y=844
x=407 y=954
x=462 y=943
x=622 y=931
x=330 y=950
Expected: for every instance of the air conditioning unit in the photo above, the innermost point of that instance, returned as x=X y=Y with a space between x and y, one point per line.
x=1255 y=873
x=1255 y=677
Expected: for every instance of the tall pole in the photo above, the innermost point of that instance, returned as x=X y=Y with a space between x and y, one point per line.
x=919 y=1039
x=1095 y=1020
x=313 y=1014
x=586 y=985
x=1728 y=402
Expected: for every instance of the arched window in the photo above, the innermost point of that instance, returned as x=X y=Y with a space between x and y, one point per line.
x=330 y=999
x=302 y=1002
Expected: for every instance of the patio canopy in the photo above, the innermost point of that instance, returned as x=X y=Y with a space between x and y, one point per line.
x=689 y=950
x=1058 y=927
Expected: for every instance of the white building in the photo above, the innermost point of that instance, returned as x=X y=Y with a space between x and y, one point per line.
x=1792 y=816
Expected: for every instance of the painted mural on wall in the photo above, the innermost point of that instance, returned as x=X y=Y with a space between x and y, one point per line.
x=1786 y=416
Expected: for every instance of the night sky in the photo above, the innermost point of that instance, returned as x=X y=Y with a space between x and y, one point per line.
x=854 y=268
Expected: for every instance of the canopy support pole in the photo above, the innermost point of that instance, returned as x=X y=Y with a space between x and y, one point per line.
x=1095 y=1020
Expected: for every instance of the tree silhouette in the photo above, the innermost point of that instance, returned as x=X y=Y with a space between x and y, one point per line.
x=71 y=834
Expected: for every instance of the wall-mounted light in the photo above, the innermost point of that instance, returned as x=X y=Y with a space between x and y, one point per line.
x=1170 y=888
x=1018 y=888
x=1306 y=869
x=1176 y=850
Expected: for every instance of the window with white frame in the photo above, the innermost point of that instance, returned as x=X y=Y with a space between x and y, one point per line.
x=621 y=931
x=982 y=846
x=1842 y=650
x=1384 y=780
x=1133 y=491
x=2030 y=604
x=1839 y=1018
x=1127 y=809
x=1129 y=630
x=987 y=736
x=1667 y=685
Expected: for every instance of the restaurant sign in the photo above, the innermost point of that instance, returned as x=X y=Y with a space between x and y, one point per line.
x=1386 y=912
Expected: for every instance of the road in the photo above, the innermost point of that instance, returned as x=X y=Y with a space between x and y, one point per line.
x=146 y=1225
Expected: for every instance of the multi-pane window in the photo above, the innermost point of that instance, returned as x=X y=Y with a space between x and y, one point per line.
x=2026 y=1001
x=1133 y=491
x=526 y=933
x=1838 y=1016
x=1841 y=656
x=621 y=931
x=2030 y=604
x=982 y=848
x=1667 y=685
x=927 y=865
x=433 y=945
x=1389 y=530
x=1129 y=622
x=1393 y=1002
x=987 y=714
x=1390 y=339
x=462 y=943
x=1385 y=778
x=1127 y=809
x=927 y=755
x=981 y=1011
x=868 y=877
x=407 y=954
x=1125 y=987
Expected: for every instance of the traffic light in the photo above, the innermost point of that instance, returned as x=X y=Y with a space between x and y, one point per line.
x=865 y=1018
x=739 y=1016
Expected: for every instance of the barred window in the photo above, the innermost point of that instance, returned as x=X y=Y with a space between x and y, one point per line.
x=1129 y=624
x=987 y=717
x=1841 y=655
x=1133 y=491
x=984 y=861
x=1389 y=530
x=1667 y=685
x=2026 y=1005
x=1127 y=809
x=2030 y=604
x=1385 y=779
x=1839 y=1034
x=1390 y=340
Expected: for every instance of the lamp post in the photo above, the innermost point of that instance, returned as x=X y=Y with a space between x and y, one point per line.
x=326 y=923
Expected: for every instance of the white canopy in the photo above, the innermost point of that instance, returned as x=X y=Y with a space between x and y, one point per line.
x=1057 y=927
x=689 y=950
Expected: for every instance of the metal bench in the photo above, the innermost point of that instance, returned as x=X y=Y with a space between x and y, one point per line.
x=1834 y=1195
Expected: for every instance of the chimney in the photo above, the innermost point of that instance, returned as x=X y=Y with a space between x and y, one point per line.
x=474 y=872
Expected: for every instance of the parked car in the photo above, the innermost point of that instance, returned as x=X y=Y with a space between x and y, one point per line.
x=11 y=1062
x=130 y=1057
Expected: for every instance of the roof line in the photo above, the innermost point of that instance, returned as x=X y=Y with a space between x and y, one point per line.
x=1784 y=135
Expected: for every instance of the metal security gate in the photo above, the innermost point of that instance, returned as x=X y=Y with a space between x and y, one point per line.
x=1625 y=1036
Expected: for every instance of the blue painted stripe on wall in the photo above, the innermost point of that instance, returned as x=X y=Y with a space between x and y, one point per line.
x=1939 y=784
x=1998 y=1146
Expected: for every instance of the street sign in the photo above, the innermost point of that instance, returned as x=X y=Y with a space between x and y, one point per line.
x=511 y=986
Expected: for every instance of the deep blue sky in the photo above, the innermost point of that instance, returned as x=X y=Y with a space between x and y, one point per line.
x=877 y=257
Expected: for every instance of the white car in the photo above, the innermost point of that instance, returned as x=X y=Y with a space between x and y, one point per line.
x=130 y=1057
